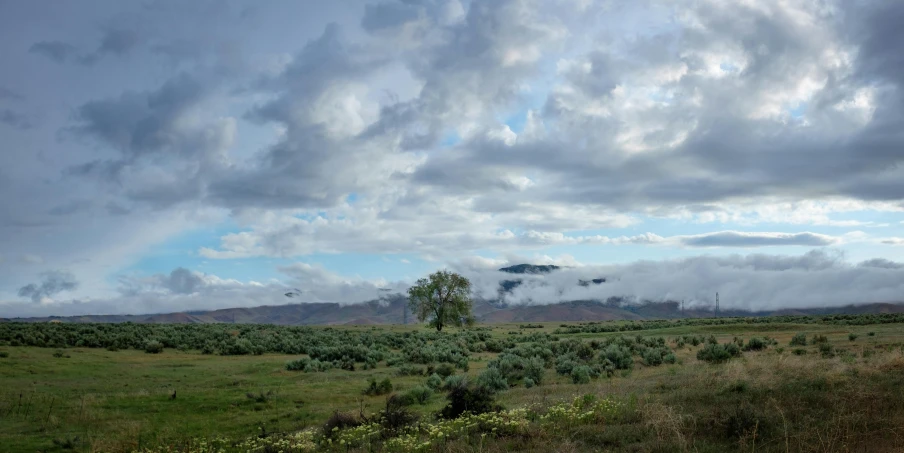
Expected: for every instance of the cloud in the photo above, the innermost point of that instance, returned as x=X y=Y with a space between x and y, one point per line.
x=893 y=241
x=741 y=239
x=752 y=282
x=52 y=283
x=9 y=95
x=13 y=119
x=57 y=51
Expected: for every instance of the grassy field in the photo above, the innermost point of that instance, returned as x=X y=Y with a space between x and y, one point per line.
x=779 y=399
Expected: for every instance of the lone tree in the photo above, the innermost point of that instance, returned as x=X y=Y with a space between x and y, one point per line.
x=443 y=298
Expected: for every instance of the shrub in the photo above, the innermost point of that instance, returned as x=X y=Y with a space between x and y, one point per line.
x=492 y=379
x=60 y=354
x=434 y=381
x=4 y=354
x=395 y=415
x=445 y=370
x=347 y=363
x=652 y=357
x=340 y=421
x=817 y=339
x=383 y=387
x=528 y=382
x=153 y=347
x=469 y=398
x=580 y=374
x=410 y=370
x=619 y=356
x=826 y=350
x=298 y=364
x=317 y=366
x=534 y=371
x=799 y=340
x=260 y=397
x=756 y=344
x=418 y=394
x=871 y=334
x=852 y=336
x=565 y=363
x=799 y=351
x=670 y=358
x=453 y=381
x=718 y=353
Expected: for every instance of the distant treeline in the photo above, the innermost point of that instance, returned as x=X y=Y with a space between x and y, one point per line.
x=626 y=326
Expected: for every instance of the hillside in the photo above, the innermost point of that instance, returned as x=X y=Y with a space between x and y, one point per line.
x=392 y=311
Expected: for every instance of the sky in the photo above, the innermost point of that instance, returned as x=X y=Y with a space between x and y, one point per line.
x=163 y=155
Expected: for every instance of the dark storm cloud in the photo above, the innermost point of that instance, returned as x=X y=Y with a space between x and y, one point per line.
x=52 y=283
x=57 y=51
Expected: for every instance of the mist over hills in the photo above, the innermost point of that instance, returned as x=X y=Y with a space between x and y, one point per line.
x=392 y=309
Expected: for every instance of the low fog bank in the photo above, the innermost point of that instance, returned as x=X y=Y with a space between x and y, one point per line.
x=753 y=282
x=756 y=282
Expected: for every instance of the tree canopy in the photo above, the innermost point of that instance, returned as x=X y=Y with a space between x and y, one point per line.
x=443 y=298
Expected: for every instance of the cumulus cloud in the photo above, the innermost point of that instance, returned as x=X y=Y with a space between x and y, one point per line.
x=51 y=284
x=442 y=127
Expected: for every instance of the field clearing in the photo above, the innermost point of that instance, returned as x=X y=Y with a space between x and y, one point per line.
x=92 y=399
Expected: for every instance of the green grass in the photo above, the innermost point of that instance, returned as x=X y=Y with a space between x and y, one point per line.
x=765 y=401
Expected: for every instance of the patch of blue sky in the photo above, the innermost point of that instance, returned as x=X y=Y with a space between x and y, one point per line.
x=450 y=139
x=798 y=111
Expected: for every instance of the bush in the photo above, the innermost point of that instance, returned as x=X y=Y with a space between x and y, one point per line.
x=340 y=420
x=528 y=382
x=580 y=374
x=434 y=381
x=619 y=356
x=60 y=354
x=670 y=358
x=445 y=370
x=534 y=371
x=298 y=364
x=410 y=370
x=852 y=336
x=799 y=351
x=492 y=379
x=826 y=350
x=383 y=387
x=718 y=353
x=652 y=357
x=468 y=398
x=756 y=344
x=153 y=347
x=4 y=354
x=419 y=394
x=396 y=416
x=871 y=334
x=817 y=339
x=799 y=340
x=453 y=381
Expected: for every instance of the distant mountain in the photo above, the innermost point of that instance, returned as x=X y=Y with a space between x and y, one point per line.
x=393 y=311
x=530 y=269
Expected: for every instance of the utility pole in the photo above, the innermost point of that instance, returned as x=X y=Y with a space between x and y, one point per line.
x=682 y=307
x=717 y=305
